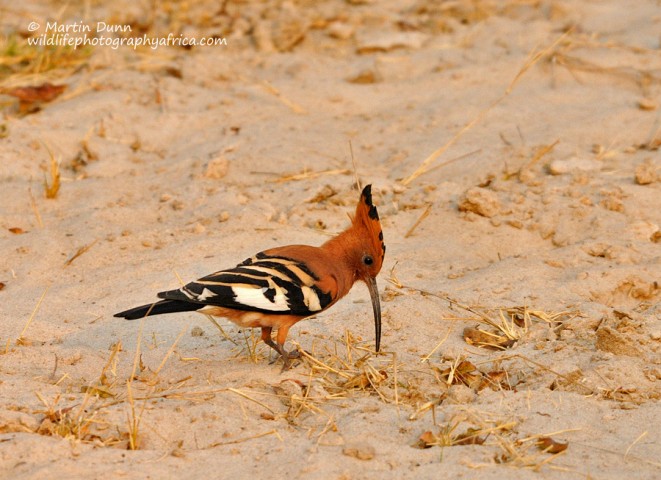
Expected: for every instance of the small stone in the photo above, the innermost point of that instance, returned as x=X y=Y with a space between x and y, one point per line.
x=481 y=201
x=217 y=168
x=287 y=32
x=340 y=30
x=359 y=450
x=613 y=204
x=560 y=167
x=199 y=228
x=197 y=332
x=384 y=42
x=647 y=104
x=224 y=216
x=646 y=173
x=365 y=77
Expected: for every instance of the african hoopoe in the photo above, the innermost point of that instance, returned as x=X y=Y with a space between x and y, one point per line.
x=279 y=287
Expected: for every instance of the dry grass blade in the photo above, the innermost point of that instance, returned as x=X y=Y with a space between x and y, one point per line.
x=220 y=328
x=133 y=419
x=52 y=188
x=248 y=397
x=639 y=76
x=245 y=439
x=392 y=278
x=318 y=363
x=79 y=252
x=251 y=343
x=640 y=437
x=21 y=339
x=306 y=175
x=137 y=362
x=539 y=153
x=355 y=170
x=424 y=215
x=171 y=349
x=111 y=364
x=428 y=356
x=275 y=92
x=35 y=209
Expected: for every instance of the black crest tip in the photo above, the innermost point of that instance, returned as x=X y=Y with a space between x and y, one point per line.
x=367 y=195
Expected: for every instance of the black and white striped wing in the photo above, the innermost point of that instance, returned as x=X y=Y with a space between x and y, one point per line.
x=263 y=283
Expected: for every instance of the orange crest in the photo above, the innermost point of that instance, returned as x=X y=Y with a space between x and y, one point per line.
x=367 y=219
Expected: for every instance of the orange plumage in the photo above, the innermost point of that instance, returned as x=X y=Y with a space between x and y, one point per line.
x=281 y=286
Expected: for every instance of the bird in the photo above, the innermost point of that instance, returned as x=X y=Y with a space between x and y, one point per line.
x=278 y=287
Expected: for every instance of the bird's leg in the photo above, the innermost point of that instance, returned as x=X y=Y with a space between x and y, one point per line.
x=266 y=338
x=279 y=347
x=283 y=330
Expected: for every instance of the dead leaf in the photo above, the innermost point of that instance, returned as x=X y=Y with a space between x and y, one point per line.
x=463 y=374
x=324 y=194
x=31 y=98
x=98 y=391
x=426 y=440
x=482 y=338
x=496 y=380
x=359 y=450
x=45 y=92
x=359 y=381
x=469 y=437
x=17 y=230
x=551 y=446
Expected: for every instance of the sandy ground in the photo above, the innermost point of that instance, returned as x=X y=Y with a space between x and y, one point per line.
x=535 y=219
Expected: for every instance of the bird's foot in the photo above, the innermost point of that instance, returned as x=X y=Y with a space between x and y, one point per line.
x=287 y=357
x=294 y=354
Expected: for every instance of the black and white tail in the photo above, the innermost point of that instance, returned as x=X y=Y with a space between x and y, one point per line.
x=158 y=308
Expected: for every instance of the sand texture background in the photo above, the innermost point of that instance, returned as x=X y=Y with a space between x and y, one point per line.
x=513 y=148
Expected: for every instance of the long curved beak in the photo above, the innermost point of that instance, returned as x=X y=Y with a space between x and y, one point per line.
x=376 y=305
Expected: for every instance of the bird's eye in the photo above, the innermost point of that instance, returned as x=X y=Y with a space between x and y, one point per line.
x=368 y=260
